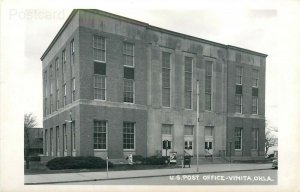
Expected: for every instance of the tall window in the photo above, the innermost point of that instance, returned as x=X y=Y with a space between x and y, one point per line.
x=72 y=50
x=255 y=77
x=65 y=94
x=51 y=141
x=255 y=138
x=254 y=105
x=128 y=60
x=45 y=93
x=65 y=137
x=238 y=103
x=99 y=87
x=51 y=97
x=188 y=70
x=166 y=77
x=188 y=130
x=99 y=47
x=166 y=129
x=238 y=138
x=51 y=71
x=46 y=142
x=57 y=72
x=57 y=99
x=73 y=90
x=64 y=62
x=100 y=134
x=128 y=54
x=73 y=135
x=57 y=140
x=128 y=135
x=208 y=85
x=239 y=75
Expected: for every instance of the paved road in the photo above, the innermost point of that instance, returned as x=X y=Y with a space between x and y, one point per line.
x=258 y=177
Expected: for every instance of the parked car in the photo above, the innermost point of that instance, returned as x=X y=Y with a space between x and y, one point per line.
x=275 y=161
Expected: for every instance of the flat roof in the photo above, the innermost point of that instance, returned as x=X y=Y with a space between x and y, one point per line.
x=96 y=11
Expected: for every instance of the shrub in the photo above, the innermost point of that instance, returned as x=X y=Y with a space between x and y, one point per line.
x=136 y=158
x=77 y=163
x=34 y=158
x=154 y=160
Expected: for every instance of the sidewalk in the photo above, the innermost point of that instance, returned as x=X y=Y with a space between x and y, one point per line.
x=93 y=176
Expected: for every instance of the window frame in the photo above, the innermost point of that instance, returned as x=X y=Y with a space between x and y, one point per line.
x=125 y=54
x=239 y=105
x=240 y=140
x=93 y=43
x=57 y=140
x=162 y=78
x=105 y=89
x=133 y=91
x=65 y=95
x=189 y=91
x=106 y=136
x=73 y=85
x=65 y=138
x=240 y=75
x=256 y=105
x=255 y=138
x=134 y=137
x=255 y=78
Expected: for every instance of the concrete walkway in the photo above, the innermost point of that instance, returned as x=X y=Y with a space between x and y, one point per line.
x=94 y=176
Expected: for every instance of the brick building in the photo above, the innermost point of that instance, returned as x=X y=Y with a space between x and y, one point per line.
x=114 y=86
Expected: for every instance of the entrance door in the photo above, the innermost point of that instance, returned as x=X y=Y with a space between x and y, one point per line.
x=166 y=145
x=188 y=147
x=209 y=140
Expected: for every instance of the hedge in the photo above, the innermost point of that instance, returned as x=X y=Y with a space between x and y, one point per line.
x=154 y=160
x=90 y=162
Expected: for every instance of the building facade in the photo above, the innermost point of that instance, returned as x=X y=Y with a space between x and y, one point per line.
x=115 y=86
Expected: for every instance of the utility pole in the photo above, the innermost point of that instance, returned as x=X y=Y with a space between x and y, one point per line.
x=197 y=128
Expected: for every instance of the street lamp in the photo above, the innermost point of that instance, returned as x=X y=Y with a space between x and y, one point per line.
x=197 y=128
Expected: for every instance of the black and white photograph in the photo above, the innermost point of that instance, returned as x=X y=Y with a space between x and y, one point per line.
x=129 y=95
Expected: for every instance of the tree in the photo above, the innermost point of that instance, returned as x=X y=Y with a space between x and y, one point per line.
x=270 y=138
x=29 y=122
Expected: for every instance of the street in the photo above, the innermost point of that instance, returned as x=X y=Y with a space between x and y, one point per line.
x=256 y=177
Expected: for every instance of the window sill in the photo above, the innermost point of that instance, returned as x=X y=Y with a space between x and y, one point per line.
x=101 y=150
x=128 y=149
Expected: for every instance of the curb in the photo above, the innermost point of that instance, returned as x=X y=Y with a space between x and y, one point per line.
x=146 y=176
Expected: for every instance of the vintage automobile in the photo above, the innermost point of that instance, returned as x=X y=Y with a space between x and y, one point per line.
x=275 y=160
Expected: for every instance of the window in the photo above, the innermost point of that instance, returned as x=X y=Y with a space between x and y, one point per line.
x=45 y=83
x=254 y=105
x=100 y=134
x=188 y=70
x=128 y=135
x=208 y=131
x=51 y=71
x=167 y=144
x=57 y=99
x=99 y=87
x=51 y=103
x=255 y=138
x=99 y=47
x=166 y=83
x=166 y=129
x=128 y=54
x=73 y=135
x=65 y=94
x=239 y=75
x=72 y=50
x=208 y=85
x=255 y=77
x=65 y=137
x=51 y=141
x=188 y=145
x=188 y=130
x=57 y=71
x=73 y=89
x=238 y=138
x=128 y=90
x=46 y=140
x=45 y=107
x=64 y=61
x=238 y=103
x=57 y=140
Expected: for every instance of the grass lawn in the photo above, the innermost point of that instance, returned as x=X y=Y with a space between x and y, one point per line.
x=119 y=167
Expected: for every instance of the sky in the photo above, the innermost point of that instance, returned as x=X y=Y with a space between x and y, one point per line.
x=251 y=29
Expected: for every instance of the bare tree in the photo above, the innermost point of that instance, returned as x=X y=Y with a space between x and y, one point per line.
x=29 y=122
x=270 y=139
